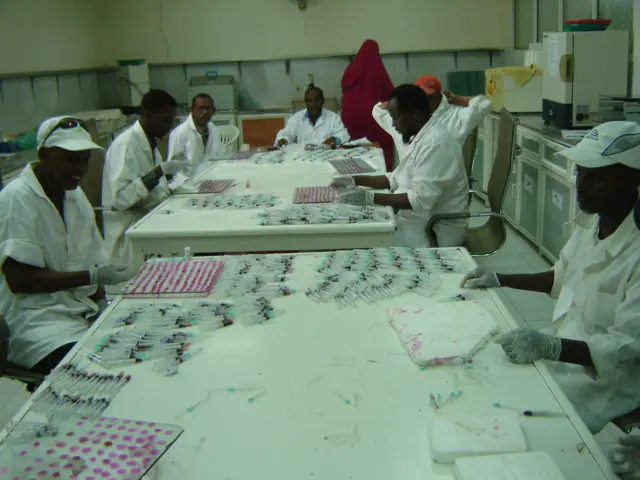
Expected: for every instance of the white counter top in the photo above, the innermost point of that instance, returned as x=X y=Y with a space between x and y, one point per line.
x=305 y=359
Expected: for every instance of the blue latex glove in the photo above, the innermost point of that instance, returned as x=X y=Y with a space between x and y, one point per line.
x=356 y=196
x=526 y=345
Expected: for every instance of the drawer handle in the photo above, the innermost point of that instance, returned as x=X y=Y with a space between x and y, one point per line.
x=566 y=229
x=517 y=150
x=514 y=190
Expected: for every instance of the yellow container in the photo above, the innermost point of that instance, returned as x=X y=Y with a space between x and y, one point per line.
x=518 y=89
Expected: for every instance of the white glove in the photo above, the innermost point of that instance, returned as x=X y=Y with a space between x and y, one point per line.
x=625 y=460
x=480 y=277
x=356 y=196
x=174 y=166
x=110 y=274
x=342 y=181
x=526 y=345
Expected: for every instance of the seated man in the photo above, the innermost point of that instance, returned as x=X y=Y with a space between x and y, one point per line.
x=197 y=139
x=460 y=115
x=594 y=343
x=431 y=180
x=49 y=250
x=133 y=180
x=315 y=125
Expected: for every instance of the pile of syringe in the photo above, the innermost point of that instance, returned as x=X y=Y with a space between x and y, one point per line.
x=349 y=276
x=319 y=214
x=73 y=392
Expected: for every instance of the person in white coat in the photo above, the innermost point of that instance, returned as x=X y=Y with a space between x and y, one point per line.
x=593 y=346
x=458 y=114
x=197 y=139
x=315 y=125
x=54 y=264
x=431 y=180
x=134 y=176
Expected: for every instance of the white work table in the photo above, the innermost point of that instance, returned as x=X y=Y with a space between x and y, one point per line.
x=171 y=227
x=306 y=357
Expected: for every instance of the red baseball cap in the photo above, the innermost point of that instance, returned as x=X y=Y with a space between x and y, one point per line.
x=430 y=84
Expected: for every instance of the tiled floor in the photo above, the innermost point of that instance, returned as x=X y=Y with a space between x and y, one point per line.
x=533 y=309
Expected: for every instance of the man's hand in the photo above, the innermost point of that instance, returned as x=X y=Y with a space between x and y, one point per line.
x=356 y=196
x=282 y=142
x=330 y=142
x=173 y=167
x=110 y=274
x=526 y=345
x=342 y=181
x=480 y=278
x=450 y=96
x=384 y=105
x=625 y=459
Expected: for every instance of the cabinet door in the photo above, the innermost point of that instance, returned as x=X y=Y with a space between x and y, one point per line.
x=477 y=170
x=560 y=163
x=557 y=213
x=260 y=132
x=529 y=194
x=510 y=201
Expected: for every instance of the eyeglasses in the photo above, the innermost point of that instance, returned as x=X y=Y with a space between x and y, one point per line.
x=65 y=124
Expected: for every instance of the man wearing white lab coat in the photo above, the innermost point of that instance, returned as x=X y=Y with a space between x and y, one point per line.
x=594 y=343
x=431 y=180
x=50 y=249
x=197 y=139
x=459 y=115
x=315 y=125
x=134 y=176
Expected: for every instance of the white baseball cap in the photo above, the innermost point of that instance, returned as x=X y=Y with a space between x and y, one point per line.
x=67 y=133
x=607 y=144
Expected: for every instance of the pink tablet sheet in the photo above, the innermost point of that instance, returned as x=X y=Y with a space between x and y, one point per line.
x=93 y=449
x=214 y=186
x=174 y=278
x=315 y=195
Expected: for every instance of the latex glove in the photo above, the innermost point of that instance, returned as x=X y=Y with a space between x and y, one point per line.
x=526 y=345
x=356 y=196
x=343 y=181
x=480 y=277
x=174 y=166
x=110 y=274
x=282 y=142
x=625 y=460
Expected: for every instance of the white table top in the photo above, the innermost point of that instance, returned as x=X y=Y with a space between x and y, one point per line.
x=307 y=357
x=280 y=180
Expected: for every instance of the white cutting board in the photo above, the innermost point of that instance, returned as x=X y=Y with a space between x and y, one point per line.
x=458 y=435
x=514 y=466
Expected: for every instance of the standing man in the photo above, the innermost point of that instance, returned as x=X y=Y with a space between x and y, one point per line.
x=315 y=125
x=50 y=250
x=593 y=348
x=430 y=181
x=197 y=139
x=134 y=176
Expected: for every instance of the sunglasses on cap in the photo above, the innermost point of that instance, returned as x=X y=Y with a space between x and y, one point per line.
x=65 y=124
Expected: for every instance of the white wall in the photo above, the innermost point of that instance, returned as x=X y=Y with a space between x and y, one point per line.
x=48 y=35
x=197 y=31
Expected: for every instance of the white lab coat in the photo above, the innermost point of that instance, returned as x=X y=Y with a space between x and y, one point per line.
x=597 y=284
x=433 y=177
x=186 y=140
x=128 y=159
x=459 y=121
x=300 y=130
x=33 y=232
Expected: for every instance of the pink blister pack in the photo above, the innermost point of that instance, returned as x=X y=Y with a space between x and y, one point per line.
x=174 y=278
x=93 y=449
x=315 y=195
x=214 y=186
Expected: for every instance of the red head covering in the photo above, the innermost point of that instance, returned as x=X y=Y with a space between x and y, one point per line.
x=429 y=84
x=364 y=84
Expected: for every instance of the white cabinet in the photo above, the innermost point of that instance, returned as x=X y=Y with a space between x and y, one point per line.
x=529 y=198
x=558 y=164
x=558 y=211
x=510 y=204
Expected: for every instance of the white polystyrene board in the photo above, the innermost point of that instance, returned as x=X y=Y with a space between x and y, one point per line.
x=513 y=466
x=435 y=333
x=458 y=435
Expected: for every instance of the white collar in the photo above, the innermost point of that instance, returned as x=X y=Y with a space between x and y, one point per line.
x=192 y=125
x=29 y=178
x=443 y=107
x=615 y=242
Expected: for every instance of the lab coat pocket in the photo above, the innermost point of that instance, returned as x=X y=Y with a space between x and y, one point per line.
x=601 y=310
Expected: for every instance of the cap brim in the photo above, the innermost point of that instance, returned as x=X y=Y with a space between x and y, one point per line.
x=75 y=145
x=585 y=157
